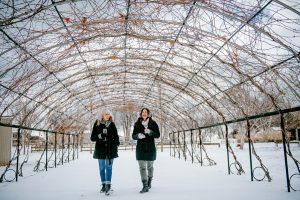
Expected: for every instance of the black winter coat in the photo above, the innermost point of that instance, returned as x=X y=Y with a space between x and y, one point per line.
x=145 y=149
x=105 y=149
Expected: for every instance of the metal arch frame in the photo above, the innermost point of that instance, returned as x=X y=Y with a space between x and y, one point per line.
x=170 y=108
x=225 y=43
x=143 y=37
x=32 y=100
x=70 y=98
x=134 y=59
x=113 y=104
x=170 y=114
x=229 y=16
x=37 y=95
x=158 y=61
x=41 y=9
x=172 y=46
x=78 y=50
x=126 y=24
x=144 y=49
x=44 y=105
x=35 y=59
x=78 y=88
x=80 y=117
x=74 y=55
x=248 y=79
x=68 y=84
x=106 y=49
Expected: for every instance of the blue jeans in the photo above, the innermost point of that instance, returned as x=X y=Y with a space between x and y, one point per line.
x=105 y=168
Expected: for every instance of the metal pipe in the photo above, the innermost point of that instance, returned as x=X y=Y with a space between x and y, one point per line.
x=261 y=115
x=200 y=140
x=18 y=153
x=170 y=144
x=284 y=150
x=192 y=146
x=46 y=166
x=69 y=147
x=250 y=153
x=73 y=146
x=62 y=149
x=77 y=136
x=174 y=146
x=178 y=145
x=227 y=147
x=184 y=146
x=55 y=146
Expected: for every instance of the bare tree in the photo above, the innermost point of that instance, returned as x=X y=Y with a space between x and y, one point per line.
x=127 y=119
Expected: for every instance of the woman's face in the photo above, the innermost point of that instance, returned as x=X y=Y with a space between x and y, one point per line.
x=144 y=114
x=106 y=116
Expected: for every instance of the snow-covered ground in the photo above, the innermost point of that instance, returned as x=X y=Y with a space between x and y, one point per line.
x=173 y=179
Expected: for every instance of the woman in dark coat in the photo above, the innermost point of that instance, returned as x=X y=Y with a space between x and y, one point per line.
x=105 y=135
x=145 y=130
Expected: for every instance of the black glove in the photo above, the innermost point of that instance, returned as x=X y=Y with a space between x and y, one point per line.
x=102 y=136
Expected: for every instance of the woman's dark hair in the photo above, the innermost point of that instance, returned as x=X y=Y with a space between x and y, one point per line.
x=148 y=111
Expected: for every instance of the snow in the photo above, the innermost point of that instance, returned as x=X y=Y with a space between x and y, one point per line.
x=173 y=178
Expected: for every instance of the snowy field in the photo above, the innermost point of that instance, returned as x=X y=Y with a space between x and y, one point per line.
x=173 y=178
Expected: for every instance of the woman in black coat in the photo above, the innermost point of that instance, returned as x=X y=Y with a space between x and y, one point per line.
x=105 y=135
x=145 y=130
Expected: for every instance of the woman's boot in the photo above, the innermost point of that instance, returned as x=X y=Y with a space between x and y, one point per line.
x=103 y=188
x=149 y=182
x=107 y=189
x=145 y=187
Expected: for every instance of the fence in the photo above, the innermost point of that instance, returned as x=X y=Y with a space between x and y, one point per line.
x=197 y=152
x=54 y=152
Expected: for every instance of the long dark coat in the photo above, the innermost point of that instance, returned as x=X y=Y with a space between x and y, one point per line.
x=105 y=149
x=145 y=149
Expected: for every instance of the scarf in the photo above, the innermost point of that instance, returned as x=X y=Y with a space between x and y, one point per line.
x=106 y=123
x=145 y=123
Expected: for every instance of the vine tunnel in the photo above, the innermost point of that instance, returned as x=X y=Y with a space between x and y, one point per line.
x=192 y=63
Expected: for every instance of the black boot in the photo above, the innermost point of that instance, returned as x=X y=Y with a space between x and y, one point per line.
x=149 y=182
x=107 y=189
x=103 y=188
x=145 y=187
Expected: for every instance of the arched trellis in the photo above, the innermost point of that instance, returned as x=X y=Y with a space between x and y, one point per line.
x=158 y=54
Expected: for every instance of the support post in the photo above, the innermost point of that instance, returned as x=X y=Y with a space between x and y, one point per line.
x=250 y=153
x=69 y=147
x=73 y=146
x=200 y=140
x=284 y=150
x=184 y=146
x=46 y=166
x=18 y=153
x=227 y=147
x=192 y=146
x=77 y=146
x=55 y=146
x=178 y=146
x=62 y=148
x=170 y=144
x=174 y=145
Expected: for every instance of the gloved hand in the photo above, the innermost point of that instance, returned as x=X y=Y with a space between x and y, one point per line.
x=141 y=136
x=147 y=131
x=102 y=136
